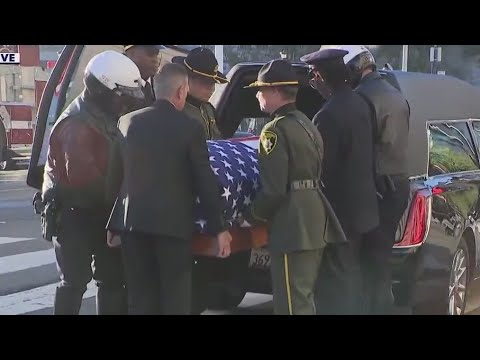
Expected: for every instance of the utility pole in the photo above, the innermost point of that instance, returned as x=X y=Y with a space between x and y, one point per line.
x=219 y=56
x=435 y=58
x=405 y=58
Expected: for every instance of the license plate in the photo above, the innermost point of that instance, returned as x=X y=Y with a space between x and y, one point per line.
x=260 y=259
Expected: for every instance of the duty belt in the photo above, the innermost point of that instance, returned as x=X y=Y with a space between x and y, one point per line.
x=305 y=185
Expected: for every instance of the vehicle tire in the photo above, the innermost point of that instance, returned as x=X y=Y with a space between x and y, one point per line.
x=457 y=290
x=227 y=291
x=6 y=164
x=5 y=161
x=459 y=280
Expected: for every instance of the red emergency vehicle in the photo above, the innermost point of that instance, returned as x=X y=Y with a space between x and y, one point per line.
x=17 y=126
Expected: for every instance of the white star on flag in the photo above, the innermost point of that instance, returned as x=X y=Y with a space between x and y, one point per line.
x=227 y=164
x=240 y=161
x=226 y=192
x=236 y=171
x=242 y=173
x=201 y=222
x=255 y=184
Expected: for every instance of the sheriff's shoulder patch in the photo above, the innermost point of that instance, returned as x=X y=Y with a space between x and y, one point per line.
x=268 y=140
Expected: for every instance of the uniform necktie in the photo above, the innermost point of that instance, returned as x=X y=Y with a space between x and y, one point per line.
x=147 y=91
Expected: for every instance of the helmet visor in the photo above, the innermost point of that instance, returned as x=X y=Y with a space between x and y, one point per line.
x=134 y=92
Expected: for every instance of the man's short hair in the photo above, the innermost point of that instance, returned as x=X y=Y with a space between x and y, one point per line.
x=288 y=92
x=169 y=79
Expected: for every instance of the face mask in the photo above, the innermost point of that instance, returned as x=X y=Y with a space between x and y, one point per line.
x=317 y=83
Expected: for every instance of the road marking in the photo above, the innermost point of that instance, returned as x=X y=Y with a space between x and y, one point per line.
x=18 y=189
x=9 y=264
x=35 y=299
x=11 y=240
x=15 y=204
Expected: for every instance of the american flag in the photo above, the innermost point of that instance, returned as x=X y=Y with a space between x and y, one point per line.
x=236 y=167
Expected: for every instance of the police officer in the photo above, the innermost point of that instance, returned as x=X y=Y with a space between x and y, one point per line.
x=390 y=124
x=83 y=175
x=290 y=202
x=147 y=58
x=344 y=124
x=203 y=74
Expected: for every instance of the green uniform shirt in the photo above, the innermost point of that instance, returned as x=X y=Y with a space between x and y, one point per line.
x=205 y=114
x=296 y=219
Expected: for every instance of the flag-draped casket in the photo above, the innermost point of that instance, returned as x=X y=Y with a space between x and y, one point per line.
x=235 y=165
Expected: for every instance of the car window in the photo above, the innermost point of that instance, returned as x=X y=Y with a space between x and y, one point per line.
x=451 y=148
x=476 y=131
x=252 y=126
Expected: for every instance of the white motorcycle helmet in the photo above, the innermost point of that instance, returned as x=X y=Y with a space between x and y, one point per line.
x=116 y=72
x=357 y=60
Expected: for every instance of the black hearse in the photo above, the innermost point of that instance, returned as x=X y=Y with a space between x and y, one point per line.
x=436 y=256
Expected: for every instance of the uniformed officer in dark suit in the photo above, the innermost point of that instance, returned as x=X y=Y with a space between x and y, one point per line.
x=165 y=162
x=390 y=116
x=203 y=74
x=344 y=124
x=299 y=218
x=147 y=58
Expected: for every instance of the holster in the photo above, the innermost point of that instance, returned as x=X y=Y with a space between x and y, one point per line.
x=47 y=206
x=49 y=220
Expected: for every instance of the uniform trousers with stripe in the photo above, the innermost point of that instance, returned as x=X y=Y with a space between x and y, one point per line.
x=294 y=276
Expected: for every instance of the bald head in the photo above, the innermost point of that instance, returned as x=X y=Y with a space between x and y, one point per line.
x=171 y=84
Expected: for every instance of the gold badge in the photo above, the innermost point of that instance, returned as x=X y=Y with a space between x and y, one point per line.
x=268 y=140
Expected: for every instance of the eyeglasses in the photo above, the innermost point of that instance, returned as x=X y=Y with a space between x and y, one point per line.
x=312 y=77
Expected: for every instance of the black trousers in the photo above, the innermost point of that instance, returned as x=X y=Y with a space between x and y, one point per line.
x=339 y=290
x=82 y=254
x=377 y=250
x=158 y=270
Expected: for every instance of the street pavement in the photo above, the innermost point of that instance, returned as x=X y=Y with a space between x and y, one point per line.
x=28 y=273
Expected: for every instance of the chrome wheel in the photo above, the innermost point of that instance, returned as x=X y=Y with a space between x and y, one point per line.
x=457 y=289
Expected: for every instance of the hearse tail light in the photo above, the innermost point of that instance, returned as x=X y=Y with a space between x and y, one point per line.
x=417 y=223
